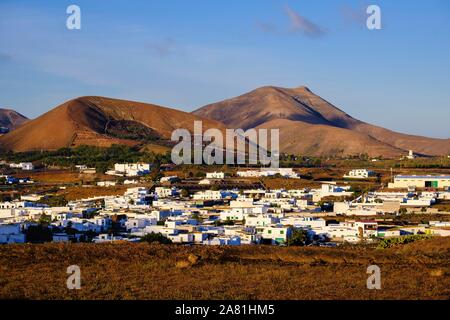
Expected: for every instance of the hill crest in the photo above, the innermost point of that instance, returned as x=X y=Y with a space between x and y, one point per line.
x=301 y=110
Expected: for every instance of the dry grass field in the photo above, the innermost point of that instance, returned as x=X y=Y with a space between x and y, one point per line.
x=62 y=176
x=76 y=193
x=419 y=270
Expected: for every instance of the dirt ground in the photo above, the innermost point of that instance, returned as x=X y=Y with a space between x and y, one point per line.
x=419 y=270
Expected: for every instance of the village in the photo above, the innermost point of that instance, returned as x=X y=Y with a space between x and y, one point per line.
x=226 y=214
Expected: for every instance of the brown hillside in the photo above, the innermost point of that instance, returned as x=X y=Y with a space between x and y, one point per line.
x=11 y=119
x=262 y=106
x=99 y=121
x=324 y=140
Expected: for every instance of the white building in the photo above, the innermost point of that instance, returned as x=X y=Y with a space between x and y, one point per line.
x=106 y=183
x=164 y=192
x=268 y=172
x=139 y=223
x=410 y=155
x=416 y=181
x=277 y=233
x=260 y=220
x=233 y=215
x=359 y=174
x=303 y=222
x=215 y=175
x=130 y=169
x=213 y=195
x=204 y=182
x=23 y=165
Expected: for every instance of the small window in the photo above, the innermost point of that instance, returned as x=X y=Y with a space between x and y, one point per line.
x=281 y=231
x=270 y=231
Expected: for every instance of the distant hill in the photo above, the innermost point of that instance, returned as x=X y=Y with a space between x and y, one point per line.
x=308 y=124
x=311 y=125
x=100 y=121
x=11 y=119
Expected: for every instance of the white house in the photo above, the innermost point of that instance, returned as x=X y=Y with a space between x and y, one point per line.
x=181 y=237
x=168 y=179
x=215 y=175
x=130 y=169
x=213 y=195
x=163 y=192
x=304 y=222
x=359 y=174
x=106 y=183
x=205 y=182
x=260 y=220
x=277 y=233
x=233 y=215
x=23 y=165
x=422 y=181
x=267 y=172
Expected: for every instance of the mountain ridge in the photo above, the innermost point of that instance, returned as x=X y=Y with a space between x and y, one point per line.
x=100 y=121
x=260 y=108
x=308 y=124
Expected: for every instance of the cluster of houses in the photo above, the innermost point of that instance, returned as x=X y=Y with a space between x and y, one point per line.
x=219 y=217
x=130 y=169
x=269 y=172
x=224 y=217
x=7 y=179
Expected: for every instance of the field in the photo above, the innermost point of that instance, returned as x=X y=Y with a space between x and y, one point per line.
x=76 y=193
x=419 y=270
x=62 y=177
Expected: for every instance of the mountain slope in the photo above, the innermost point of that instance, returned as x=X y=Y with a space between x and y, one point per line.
x=298 y=137
x=305 y=110
x=99 y=121
x=11 y=119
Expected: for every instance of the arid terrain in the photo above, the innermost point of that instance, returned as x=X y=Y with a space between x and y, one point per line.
x=418 y=270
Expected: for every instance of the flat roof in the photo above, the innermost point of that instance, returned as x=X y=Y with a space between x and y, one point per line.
x=422 y=177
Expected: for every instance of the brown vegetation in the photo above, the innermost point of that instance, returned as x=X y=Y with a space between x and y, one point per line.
x=419 y=270
x=62 y=176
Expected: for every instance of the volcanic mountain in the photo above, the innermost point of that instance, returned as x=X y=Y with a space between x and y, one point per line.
x=311 y=125
x=100 y=121
x=11 y=119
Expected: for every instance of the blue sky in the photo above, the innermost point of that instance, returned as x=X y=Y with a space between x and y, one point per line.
x=185 y=54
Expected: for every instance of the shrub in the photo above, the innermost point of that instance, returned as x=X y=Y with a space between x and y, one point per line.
x=390 y=242
x=156 y=237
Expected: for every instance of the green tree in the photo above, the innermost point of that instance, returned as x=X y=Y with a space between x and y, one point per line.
x=197 y=217
x=156 y=237
x=184 y=193
x=299 y=238
x=45 y=220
